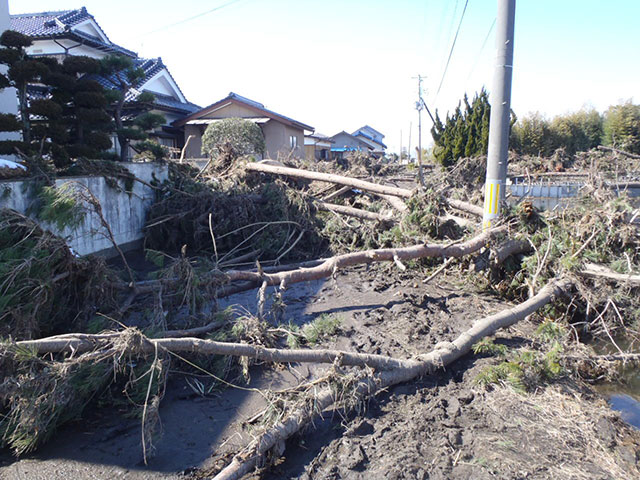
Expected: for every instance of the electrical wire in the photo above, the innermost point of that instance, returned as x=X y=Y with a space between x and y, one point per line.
x=453 y=45
x=219 y=7
x=475 y=64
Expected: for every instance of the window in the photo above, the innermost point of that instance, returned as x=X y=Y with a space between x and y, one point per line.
x=293 y=142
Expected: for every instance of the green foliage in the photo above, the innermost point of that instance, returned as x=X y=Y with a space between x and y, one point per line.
x=34 y=299
x=60 y=206
x=234 y=137
x=524 y=370
x=9 y=123
x=324 y=326
x=487 y=346
x=622 y=127
x=465 y=133
x=572 y=132
x=13 y=39
x=550 y=331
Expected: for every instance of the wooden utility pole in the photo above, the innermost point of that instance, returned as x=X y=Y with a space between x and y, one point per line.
x=500 y=113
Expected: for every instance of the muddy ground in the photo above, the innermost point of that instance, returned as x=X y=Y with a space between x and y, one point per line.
x=445 y=426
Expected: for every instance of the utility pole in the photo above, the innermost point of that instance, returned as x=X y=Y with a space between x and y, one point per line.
x=500 y=113
x=400 y=157
x=419 y=105
x=409 y=146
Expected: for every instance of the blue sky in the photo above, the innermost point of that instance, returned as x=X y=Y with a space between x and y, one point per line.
x=337 y=65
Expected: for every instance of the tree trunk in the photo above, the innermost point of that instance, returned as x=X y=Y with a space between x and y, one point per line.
x=352 y=212
x=443 y=355
x=327 y=267
x=328 y=177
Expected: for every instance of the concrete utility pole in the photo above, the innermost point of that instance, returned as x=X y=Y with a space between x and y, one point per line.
x=500 y=113
x=419 y=108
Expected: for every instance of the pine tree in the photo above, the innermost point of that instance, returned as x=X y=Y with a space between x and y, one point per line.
x=124 y=74
x=25 y=70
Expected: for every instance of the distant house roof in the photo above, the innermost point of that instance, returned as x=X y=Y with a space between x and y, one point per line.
x=257 y=107
x=61 y=24
x=369 y=137
x=344 y=148
x=370 y=128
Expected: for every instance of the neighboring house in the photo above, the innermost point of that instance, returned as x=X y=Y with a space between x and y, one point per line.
x=8 y=96
x=344 y=142
x=373 y=138
x=282 y=135
x=317 y=147
x=76 y=32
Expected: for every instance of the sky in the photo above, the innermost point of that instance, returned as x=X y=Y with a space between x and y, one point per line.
x=340 y=64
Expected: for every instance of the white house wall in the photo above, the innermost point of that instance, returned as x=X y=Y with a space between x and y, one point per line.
x=162 y=83
x=8 y=96
x=91 y=28
x=49 y=47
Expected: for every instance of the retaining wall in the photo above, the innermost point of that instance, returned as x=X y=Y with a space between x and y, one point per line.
x=125 y=212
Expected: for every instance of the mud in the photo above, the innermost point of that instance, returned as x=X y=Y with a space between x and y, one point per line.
x=443 y=426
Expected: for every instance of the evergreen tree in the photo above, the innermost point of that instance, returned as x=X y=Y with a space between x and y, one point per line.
x=124 y=74
x=465 y=133
x=24 y=70
x=622 y=127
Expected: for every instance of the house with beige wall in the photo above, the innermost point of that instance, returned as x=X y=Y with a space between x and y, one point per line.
x=283 y=136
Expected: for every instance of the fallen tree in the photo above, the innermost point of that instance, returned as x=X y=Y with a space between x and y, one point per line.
x=387 y=192
x=444 y=354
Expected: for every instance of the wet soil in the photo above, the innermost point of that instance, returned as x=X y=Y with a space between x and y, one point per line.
x=442 y=426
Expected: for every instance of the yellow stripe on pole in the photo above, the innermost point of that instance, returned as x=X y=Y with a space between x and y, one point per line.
x=491 y=202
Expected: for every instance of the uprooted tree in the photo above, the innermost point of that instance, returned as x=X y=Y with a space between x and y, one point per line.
x=204 y=229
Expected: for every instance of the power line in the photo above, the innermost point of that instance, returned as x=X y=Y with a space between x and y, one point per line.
x=453 y=45
x=219 y=7
x=475 y=64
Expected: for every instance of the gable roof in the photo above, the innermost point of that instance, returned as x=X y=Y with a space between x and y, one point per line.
x=151 y=67
x=61 y=24
x=257 y=107
x=369 y=138
x=370 y=128
x=353 y=137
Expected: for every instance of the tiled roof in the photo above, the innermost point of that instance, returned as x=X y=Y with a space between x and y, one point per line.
x=150 y=66
x=251 y=103
x=59 y=24
x=172 y=103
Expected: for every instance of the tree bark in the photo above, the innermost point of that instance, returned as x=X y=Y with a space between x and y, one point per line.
x=328 y=177
x=598 y=271
x=352 y=212
x=621 y=152
x=327 y=267
x=465 y=207
x=443 y=355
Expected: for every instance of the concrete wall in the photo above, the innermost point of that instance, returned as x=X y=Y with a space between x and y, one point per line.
x=126 y=214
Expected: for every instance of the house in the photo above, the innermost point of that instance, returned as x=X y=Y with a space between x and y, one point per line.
x=282 y=135
x=76 y=32
x=345 y=142
x=317 y=147
x=373 y=138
